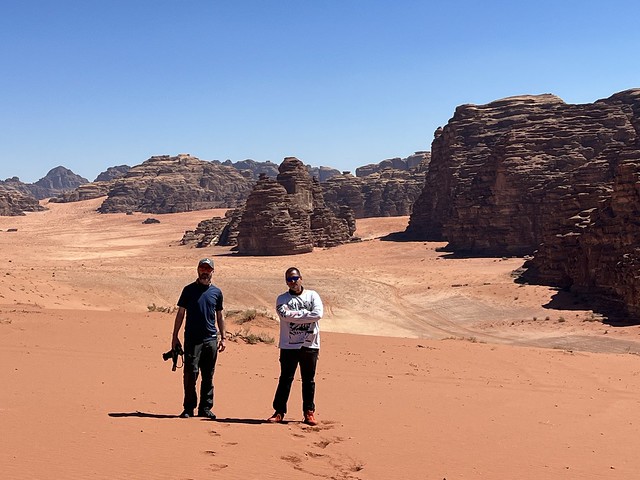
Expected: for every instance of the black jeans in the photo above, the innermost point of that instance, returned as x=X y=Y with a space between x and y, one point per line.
x=199 y=357
x=289 y=360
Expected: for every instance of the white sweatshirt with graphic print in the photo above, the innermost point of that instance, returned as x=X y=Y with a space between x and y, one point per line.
x=299 y=316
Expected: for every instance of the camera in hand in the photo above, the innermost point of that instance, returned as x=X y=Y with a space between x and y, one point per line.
x=173 y=354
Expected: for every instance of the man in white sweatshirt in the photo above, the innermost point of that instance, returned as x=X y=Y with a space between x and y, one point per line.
x=299 y=311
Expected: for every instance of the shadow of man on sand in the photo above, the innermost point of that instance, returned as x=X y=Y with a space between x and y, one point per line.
x=139 y=414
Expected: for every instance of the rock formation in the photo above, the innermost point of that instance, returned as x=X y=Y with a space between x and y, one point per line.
x=183 y=183
x=287 y=216
x=387 y=193
x=418 y=162
x=57 y=181
x=87 y=191
x=256 y=168
x=322 y=174
x=14 y=184
x=506 y=175
x=98 y=188
x=207 y=233
x=113 y=173
x=270 y=169
x=599 y=255
x=14 y=203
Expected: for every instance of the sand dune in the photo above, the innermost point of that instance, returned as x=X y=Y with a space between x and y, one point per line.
x=431 y=366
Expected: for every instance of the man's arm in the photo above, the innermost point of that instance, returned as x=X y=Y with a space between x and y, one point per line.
x=222 y=331
x=304 y=315
x=176 y=326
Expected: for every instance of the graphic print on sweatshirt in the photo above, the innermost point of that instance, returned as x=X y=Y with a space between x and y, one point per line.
x=298 y=331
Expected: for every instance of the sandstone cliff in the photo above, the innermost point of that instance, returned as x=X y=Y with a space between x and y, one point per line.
x=14 y=203
x=113 y=173
x=56 y=182
x=287 y=216
x=504 y=176
x=419 y=162
x=599 y=254
x=165 y=184
x=386 y=193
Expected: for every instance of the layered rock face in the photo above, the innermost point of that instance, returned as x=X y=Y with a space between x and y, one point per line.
x=287 y=216
x=183 y=183
x=98 y=188
x=601 y=254
x=56 y=182
x=207 y=232
x=84 y=192
x=270 y=169
x=419 y=161
x=272 y=224
x=14 y=203
x=507 y=175
x=256 y=168
x=112 y=173
x=386 y=193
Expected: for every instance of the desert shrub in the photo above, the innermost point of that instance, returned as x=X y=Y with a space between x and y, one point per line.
x=247 y=316
x=249 y=337
x=156 y=308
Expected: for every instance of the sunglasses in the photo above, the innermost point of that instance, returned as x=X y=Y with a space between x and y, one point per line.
x=293 y=279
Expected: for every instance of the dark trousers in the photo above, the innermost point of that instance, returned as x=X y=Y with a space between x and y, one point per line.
x=199 y=357
x=289 y=360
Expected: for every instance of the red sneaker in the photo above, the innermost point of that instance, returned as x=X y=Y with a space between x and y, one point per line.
x=277 y=417
x=309 y=418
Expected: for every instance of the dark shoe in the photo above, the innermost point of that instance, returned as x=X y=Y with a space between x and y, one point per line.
x=309 y=418
x=186 y=414
x=277 y=417
x=207 y=414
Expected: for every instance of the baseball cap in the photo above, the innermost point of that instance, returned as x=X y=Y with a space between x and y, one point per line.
x=206 y=261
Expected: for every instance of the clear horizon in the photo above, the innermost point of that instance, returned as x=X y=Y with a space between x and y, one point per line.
x=89 y=85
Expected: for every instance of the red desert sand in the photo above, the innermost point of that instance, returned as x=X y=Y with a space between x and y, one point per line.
x=431 y=366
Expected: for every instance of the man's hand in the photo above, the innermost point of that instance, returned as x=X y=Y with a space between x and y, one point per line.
x=222 y=345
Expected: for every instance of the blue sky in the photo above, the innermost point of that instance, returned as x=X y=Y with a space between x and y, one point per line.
x=89 y=84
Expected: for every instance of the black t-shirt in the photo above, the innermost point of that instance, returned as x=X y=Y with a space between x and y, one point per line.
x=201 y=303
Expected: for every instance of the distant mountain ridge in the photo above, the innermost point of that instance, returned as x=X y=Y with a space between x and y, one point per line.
x=62 y=185
x=58 y=180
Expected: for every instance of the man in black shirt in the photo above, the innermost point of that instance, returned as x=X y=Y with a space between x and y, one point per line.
x=202 y=303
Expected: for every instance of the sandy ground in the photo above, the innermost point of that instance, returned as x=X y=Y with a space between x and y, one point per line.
x=431 y=366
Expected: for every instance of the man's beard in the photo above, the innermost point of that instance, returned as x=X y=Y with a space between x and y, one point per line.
x=204 y=278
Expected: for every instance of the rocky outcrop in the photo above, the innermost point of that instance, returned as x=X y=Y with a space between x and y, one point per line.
x=418 y=162
x=270 y=169
x=322 y=174
x=386 y=193
x=57 y=181
x=207 y=233
x=287 y=216
x=98 y=188
x=14 y=184
x=183 y=183
x=272 y=224
x=112 y=173
x=14 y=203
x=507 y=175
x=599 y=255
x=267 y=168
x=84 y=192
